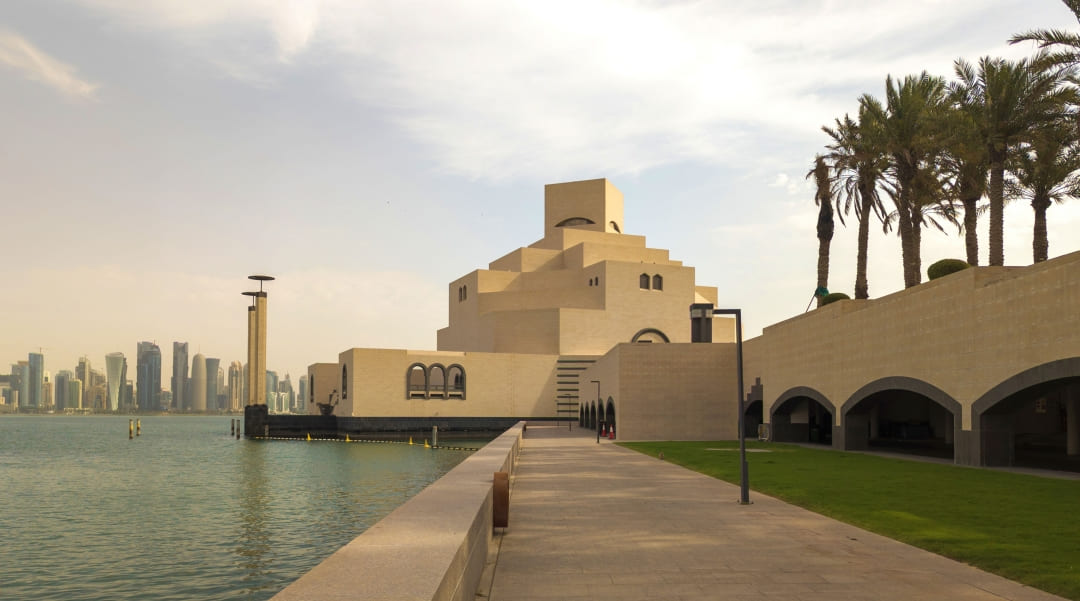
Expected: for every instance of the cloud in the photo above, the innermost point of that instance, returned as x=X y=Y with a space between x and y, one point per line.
x=499 y=89
x=17 y=52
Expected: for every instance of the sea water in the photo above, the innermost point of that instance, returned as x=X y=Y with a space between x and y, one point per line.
x=184 y=511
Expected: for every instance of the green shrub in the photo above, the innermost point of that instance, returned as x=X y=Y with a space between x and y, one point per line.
x=833 y=297
x=944 y=267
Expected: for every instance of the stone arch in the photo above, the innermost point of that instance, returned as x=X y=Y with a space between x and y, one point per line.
x=658 y=282
x=581 y=416
x=609 y=414
x=650 y=335
x=919 y=418
x=643 y=281
x=455 y=381
x=436 y=381
x=790 y=425
x=416 y=381
x=1031 y=418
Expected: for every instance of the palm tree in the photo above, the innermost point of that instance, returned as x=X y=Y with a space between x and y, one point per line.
x=964 y=166
x=1008 y=101
x=1063 y=47
x=858 y=164
x=1047 y=170
x=908 y=125
x=823 y=197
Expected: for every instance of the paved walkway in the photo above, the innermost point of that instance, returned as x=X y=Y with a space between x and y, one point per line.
x=601 y=522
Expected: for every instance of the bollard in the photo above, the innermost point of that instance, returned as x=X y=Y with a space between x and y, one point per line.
x=434 y=436
x=131 y=429
x=237 y=429
x=138 y=427
x=232 y=425
x=500 y=500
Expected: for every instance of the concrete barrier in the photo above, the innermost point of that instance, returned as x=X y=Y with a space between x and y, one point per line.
x=432 y=547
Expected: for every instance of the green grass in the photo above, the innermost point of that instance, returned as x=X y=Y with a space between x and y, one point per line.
x=1022 y=527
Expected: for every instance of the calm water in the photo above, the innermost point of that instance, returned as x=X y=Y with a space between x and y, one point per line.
x=185 y=511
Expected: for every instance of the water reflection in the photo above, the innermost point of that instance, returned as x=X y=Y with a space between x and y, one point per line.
x=254 y=540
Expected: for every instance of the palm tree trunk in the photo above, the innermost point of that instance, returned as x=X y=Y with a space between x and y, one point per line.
x=904 y=225
x=916 y=251
x=822 y=266
x=971 y=234
x=862 y=289
x=997 y=207
x=1040 y=244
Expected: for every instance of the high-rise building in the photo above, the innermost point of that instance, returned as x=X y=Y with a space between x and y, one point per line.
x=198 y=382
x=271 y=389
x=222 y=392
x=60 y=388
x=20 y=384
x=287 y=395
x=47 y=395
x=213 y=366
x=37 y=380
x=179 y=374
x=83 y=374
x=115 y=364
x=74 y=394
x=302 y=396
x=148 y=377
x=236 y=386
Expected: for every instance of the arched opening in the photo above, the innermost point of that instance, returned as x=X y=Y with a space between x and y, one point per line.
x=436 y=381
x=802 y=415
x=643 y=281
x=581 y=416
x=455 y=382
x=575 y=221
x=650 y=335
x=609 y=417
x=416 y=381
x=593 y=422
x=658 y=282
x=753 y=416
x=1032 y=419
x=901 y=415
x=344 y=382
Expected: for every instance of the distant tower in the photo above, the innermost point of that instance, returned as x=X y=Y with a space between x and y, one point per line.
x=20 y=384
x=114 y=373
x=301 y=397
x=60 y=389
x=236 y=386
x=48 y=391
x=213 y=366
x=84 y=373
x=37 y=380
x=198 y=382
x=148 y=377
x=179 y=374
x=75 y=394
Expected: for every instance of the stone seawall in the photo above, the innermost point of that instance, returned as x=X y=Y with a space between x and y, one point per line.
x=432 y=547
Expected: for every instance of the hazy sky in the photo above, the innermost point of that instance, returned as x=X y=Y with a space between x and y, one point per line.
x=153 y=153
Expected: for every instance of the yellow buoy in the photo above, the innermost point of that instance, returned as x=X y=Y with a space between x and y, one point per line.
x=410 y=440
x=347 y=438
x=131 y=429
x=426 y=445
x=309 y=436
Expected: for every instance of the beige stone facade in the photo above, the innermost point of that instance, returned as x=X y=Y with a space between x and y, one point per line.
x=585 y=298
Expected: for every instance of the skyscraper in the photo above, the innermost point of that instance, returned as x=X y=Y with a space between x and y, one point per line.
x=115 y=364
x=236 y=386
x=75 y=394
x=47 y=392
x=213 y=366
x=37 y=380
x=148 y=377
x=83 y=373
x=60 y=388
x=198 y=382
x=302 y=396
x=179 y=374
x=20 y=383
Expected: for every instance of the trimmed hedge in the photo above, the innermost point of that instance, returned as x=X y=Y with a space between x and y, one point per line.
x=833 y=297
x=944 y=267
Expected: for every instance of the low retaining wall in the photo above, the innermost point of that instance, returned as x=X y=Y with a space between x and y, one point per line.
x=432 y=547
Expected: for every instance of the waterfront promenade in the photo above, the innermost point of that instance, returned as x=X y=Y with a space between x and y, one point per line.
x=596 y=521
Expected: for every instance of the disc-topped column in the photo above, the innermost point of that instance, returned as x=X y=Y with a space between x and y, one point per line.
x=256 y=353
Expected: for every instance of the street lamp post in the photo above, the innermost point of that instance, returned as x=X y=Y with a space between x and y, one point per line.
x=698 y=312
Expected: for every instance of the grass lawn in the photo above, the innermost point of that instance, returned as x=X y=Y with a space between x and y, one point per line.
x=1022 y=527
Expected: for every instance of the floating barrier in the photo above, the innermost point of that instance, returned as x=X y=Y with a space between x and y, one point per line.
x=308 y=438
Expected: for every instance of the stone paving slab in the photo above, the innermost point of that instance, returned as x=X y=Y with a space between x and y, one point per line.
x=596 y=521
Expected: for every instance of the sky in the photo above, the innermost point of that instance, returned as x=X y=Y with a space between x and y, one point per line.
x=153 y=154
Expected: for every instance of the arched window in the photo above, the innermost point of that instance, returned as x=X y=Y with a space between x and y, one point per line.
x=658 y=282
x=575 y=221
x=344 y=382
x=650 y=335
x=465 y=292
x=436 y=382
x=643 y=281
x=455 y=382
x=416 y=381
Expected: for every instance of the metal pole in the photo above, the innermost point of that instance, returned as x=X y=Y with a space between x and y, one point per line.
x=744 y=477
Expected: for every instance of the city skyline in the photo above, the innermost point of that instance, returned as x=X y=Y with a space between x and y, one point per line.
x=366 y=157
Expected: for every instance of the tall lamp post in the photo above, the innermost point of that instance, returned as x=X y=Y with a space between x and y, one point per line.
x=700 y=315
